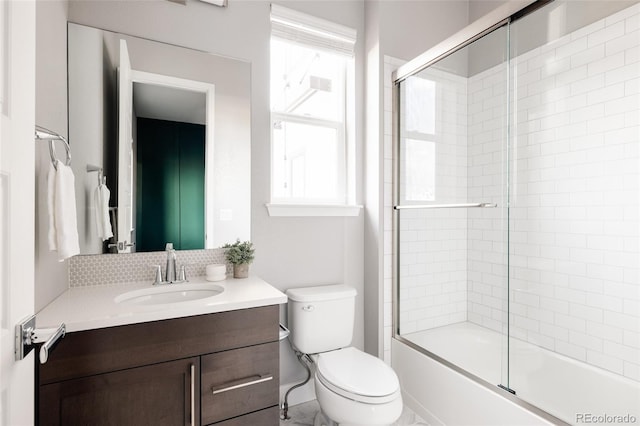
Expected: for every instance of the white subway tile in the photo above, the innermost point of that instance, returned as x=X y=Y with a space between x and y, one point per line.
x=587 y=56
x=632 y=55
x=588 y=84
x=574 y=47
x=605 y=332
x=586 y=341
x=632 y=339
x=623 y=352
x=632 y=370
x=623 y=43
x=622 y=321
x=571 y=350
x=606 y=64
x=627 y=74
x=608 y=33
x=607 y=362
x=577 y=310
x=610 y=92
x=632 y=24
x=632 y=86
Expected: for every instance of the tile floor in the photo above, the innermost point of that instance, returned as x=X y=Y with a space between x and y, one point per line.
x=303 y=415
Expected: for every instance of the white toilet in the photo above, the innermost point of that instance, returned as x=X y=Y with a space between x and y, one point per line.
x=353 y=388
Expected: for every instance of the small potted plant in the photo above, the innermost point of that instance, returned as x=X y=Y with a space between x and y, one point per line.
x=240 y=255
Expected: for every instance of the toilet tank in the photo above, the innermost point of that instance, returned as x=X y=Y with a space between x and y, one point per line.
x=321 y=318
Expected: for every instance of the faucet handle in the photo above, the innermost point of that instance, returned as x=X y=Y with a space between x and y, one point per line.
x=158 y=275
x=182 y=276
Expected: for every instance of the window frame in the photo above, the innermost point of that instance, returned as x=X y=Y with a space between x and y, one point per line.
x=343 y=204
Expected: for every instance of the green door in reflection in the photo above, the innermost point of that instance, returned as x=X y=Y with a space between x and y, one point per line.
x=169 y=185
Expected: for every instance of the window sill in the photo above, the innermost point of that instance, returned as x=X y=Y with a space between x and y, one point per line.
x=299 y=210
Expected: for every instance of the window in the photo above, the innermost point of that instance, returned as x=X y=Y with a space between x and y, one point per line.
x=419 y=128
x=311 y=106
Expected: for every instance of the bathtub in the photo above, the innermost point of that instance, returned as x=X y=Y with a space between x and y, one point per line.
x=549 y=386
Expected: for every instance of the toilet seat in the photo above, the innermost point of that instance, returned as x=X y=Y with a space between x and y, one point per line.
x=359 y=376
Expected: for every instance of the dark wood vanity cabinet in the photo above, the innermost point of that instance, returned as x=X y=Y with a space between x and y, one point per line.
x=220 y=369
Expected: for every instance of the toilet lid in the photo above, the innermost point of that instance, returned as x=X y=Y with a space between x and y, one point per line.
x=354 y=373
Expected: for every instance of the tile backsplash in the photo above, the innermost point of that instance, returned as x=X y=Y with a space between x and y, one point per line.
x=108 y=269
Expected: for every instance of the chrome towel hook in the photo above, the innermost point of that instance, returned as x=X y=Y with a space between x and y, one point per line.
x=101 y=177
x=47 y=135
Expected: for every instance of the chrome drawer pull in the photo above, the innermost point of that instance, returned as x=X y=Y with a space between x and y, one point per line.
x=260 y=379
x=193 y=395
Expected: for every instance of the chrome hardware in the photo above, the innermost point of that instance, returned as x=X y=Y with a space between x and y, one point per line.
x=508 y=389
x=193 y=395
x=158 y=275
x=47 y=135
x=171 y=274
x=121 y=245
x=102 y=179
x=447 y=206
x=242 y=383
x=170 y=271
x=58 y=333
x=182 y=276
x=27 y=336
x=308 y=308
x=283 y=332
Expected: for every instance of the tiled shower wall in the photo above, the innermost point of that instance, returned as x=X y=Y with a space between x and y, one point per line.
x=574 y=219
x=574 y=229
x=109 y=269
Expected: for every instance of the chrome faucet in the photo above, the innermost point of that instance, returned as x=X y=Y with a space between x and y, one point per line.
x=170 y=274
x=170 y=271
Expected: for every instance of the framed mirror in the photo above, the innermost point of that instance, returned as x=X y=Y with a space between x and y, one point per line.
x=167 y=130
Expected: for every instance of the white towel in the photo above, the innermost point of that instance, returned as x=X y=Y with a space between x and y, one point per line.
x=51 y=185
x=101 y=199
x=63 y=223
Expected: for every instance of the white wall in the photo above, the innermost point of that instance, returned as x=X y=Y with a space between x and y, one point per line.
x=51 y=113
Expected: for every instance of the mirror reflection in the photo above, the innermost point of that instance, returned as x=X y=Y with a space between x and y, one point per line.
x=167 y=130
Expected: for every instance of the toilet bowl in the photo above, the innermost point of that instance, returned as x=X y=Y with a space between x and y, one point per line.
x=352 y=388
x=356 y=389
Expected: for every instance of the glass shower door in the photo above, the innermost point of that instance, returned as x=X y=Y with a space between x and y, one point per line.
x=574 y=221
x=451 y=208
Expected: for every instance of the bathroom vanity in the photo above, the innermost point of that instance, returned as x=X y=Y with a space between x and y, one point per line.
x=217 y=367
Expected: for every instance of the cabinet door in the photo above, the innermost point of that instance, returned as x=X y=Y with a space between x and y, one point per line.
x=240 y=381
x=159 y=394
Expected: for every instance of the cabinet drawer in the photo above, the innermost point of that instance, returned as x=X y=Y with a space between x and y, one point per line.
x=239 y=381
x=266 y=417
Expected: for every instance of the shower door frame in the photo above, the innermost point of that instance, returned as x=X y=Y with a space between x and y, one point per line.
x=502 y=16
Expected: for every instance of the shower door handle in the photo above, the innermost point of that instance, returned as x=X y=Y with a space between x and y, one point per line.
x=447 y=206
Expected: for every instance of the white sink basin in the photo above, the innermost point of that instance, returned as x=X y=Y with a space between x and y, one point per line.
x=169 y=294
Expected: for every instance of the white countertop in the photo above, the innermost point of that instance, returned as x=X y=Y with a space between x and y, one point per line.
x=87 y=308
